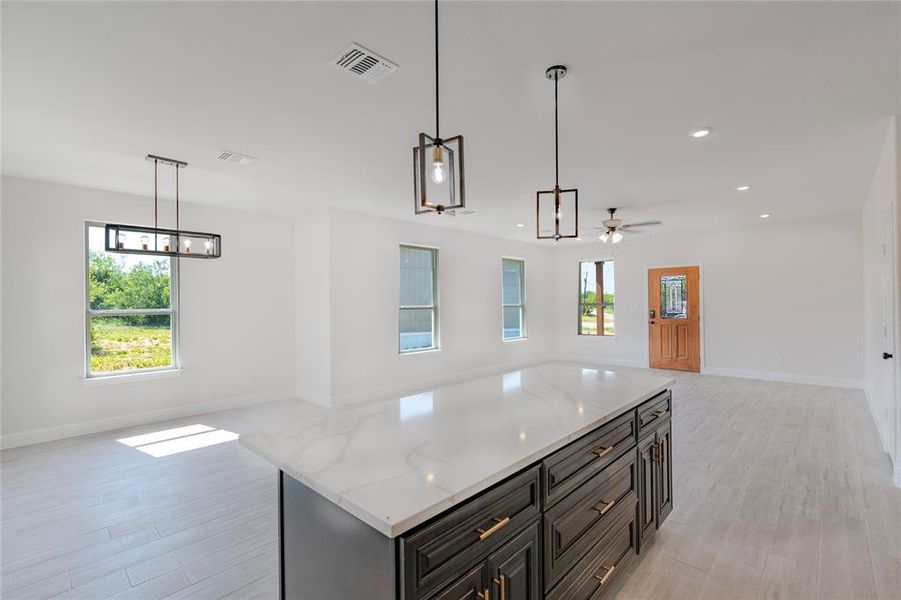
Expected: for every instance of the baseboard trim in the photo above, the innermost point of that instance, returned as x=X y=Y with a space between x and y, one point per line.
x=839 y=382
x=602 y=361
x=50 y=434
x=414 y=386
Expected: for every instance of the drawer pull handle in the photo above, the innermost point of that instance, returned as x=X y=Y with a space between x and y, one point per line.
x=606 y=576
x=604 y=506
x=603 y=451
x=486 y=533
x=662 y=455
x=485 y=594
x=501 y=584
x=658 y=413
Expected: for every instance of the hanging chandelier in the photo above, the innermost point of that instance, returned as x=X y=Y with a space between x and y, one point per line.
x=557 y=211
x=134 y=239
x=438 y=163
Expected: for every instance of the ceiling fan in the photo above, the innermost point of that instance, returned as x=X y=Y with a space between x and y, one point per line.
x=614 y=228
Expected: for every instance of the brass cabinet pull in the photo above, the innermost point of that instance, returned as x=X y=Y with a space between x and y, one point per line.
x=486 y=533
x=484 y=594
x=606 y=506
x=501 y=584
x=603 y=451
x=607 y=575
x=659 y=413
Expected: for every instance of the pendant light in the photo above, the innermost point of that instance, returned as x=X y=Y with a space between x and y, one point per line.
x=134 y=239
x=557 y=211
x=438 y=163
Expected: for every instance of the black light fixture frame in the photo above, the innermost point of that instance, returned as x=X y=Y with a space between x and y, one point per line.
x=421 y=152
x=556 y=73
x=114 y=230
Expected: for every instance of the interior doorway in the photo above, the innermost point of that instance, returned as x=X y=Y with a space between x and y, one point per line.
x=674 y=318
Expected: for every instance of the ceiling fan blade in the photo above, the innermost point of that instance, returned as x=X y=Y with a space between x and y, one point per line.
x=641 y=224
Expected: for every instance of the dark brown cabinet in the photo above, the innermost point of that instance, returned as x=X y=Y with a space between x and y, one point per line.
x=514 y=569
x=512 y=572
x=656 y=475
x=565 y=527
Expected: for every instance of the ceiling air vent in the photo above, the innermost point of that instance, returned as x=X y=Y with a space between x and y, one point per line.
x=237 y=158
x=364 y=64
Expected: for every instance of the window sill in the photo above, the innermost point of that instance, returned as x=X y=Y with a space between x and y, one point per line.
x=524 y=338
x=131 y=377
x=597 y=337
x=417 y=352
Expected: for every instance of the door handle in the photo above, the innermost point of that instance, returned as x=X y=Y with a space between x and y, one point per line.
x=652 y=314
x=887 y=356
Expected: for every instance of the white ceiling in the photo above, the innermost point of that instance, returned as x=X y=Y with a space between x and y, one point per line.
x=798 y=95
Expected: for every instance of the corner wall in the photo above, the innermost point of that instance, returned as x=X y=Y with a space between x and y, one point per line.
x=779 y=301
x=235 y=312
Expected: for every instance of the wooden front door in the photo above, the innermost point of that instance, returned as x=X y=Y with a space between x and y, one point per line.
x=674 y=323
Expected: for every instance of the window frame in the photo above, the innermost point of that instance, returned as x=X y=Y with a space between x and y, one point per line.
x=523 y=329
x=599 y=293
x=436 y=326
x=172 y=311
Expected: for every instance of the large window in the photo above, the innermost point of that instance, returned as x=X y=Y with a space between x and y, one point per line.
x=418 y=319
x=596 y=298
x=131 y=319
x=513 y=300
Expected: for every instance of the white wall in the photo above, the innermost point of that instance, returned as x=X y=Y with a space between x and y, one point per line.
x=364 y=282
x=879 y=206
x=235 y=313
x=311 y=290
x=779 y=301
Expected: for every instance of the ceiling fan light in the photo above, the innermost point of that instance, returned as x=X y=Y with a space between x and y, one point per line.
x=617 y=237
x=604 y=237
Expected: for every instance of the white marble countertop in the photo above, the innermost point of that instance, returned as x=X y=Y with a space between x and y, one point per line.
x=397 y=462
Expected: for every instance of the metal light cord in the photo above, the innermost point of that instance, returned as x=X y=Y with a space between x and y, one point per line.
x=437 y=95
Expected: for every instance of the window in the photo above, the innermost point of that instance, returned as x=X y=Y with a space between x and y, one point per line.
x=596 y=298
x=418 y=304
x=513 y=300
x=131 y=318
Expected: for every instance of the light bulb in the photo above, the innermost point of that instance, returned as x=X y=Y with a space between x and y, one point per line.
x=121 y=241
x=438 y=174
x=616 y=238
x=603 y=237
x=207 y=246
x=166 y=244
x=187 y=246
x=144 y=241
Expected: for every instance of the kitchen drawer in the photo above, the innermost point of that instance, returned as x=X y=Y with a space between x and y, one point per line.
x=437 y=553
x=596 y=573
x=577 y=522
x=573 y=465
x=653 y=412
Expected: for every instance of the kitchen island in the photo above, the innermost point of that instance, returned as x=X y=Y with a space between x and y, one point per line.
x=537 y=482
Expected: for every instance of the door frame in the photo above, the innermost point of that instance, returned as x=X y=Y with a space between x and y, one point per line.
x=646 y=344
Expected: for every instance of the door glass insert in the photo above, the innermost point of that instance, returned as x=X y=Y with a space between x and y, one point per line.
x=673 y=297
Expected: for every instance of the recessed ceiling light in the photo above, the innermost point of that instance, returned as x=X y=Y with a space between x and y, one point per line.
x=520 y=224
x=699 y=133
x=765 y=216
x=743 y=188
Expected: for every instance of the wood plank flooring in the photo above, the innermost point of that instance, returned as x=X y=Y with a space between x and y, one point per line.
x=781 y=491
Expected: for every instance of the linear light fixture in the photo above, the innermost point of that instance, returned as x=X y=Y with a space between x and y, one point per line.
x=135 y=239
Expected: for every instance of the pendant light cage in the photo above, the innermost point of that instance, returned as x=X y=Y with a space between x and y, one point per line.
x=556 y=210
x=135 y=239
x=438 y=175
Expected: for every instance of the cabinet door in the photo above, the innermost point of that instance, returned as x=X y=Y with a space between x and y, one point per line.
x=514 y=569
x=647 y=481
x=469 y=586
x=664 y=479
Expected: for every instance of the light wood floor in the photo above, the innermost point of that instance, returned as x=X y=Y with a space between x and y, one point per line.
x=781 y=491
